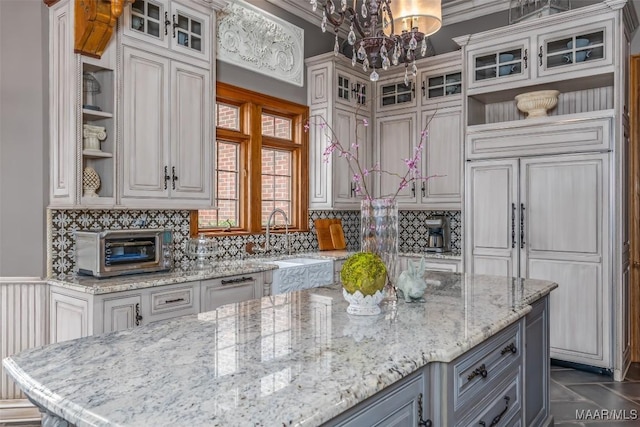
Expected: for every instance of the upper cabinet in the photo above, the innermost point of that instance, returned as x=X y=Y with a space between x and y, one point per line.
x=341 y=97
x=174 y=25
x=82 y=119
x=540 y=51
x=134 y=128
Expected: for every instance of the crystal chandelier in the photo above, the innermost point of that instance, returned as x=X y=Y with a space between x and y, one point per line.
x=383 y=32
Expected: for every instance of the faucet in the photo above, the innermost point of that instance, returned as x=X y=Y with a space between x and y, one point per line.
x=252 y=248
x=286 y=229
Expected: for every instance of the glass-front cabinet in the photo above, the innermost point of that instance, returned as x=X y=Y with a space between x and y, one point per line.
x=352 y=91
x=442 y=85
x=393 y=94
x=584 y=48
x=168 y=24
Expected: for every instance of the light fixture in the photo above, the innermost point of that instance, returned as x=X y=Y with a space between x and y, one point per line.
x=383 y=32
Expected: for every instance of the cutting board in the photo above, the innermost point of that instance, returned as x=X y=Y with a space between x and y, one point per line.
x=337 y=236
x=323 y=232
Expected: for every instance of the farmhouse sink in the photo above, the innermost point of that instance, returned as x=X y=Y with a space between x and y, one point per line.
x=301 y=273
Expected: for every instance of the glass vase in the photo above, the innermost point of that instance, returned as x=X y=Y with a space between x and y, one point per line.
x=379 y=235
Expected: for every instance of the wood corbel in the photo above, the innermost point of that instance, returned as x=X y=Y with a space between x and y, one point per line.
x=94 y=24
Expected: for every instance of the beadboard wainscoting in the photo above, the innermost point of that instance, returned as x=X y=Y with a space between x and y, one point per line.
x=62 y=225
x=24 y=317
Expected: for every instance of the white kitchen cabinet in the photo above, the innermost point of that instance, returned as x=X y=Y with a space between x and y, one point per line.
x=181 y=27
x=121 y=313
x=342 y=99
x=550 y=200
x=69 y=315
x=441 y=81
x=167 y=132
x=545 y=218
x=82 y=92
x=540 y=51
x=396 y=140
x=217 y=292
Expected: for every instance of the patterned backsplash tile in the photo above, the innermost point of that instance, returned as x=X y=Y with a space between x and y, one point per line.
x=62 y=225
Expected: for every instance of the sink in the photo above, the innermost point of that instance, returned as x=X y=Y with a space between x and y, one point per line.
x=294 y=274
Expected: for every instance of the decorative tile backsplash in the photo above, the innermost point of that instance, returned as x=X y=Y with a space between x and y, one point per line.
x=62 y=225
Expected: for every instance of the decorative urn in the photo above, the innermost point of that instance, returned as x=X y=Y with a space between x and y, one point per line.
x=363 y=278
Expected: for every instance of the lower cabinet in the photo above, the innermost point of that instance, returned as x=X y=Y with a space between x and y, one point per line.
x=403 y=404
x=75 y=314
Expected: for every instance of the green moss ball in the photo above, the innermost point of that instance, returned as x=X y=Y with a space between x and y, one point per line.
x=364 y=272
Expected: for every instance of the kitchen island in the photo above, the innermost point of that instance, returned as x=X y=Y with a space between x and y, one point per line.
x=299 y=359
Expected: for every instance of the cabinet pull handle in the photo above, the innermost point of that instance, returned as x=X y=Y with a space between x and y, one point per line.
x=138 y=316
x=173 y=27
x=424 y=89
x=423 y=189
x=540 y=55
x=421 y=422
x=525 y=58
x=174 y=177
x=511 y=348
x=521 y=225
x=496 y=420
x=166 y=23
x=480 y=370
x=169 y=301
x=413 y=189
x=353 y=189
x=236 y=280
x=166 y=176
x=413 y=89
x=513 y=225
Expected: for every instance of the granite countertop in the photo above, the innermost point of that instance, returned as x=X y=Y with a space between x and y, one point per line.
x=291 y=359
x=221 y=268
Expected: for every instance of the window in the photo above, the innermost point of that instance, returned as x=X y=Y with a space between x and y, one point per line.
x=261 y=163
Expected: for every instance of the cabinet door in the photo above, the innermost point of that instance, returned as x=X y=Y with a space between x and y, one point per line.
x=190 y=31
x=536 y=359
x=319 y=171
x=69 y=317
x=350 y=128
x=121 y=313
x=565 y=209
x=352 y=91
x=443 y=156
x=395 y=142
x=145 y=126
x=190 y=132
x=582 y=48
x=393 y=94
x=145 y=20
x=499 y=61
x=492 y=224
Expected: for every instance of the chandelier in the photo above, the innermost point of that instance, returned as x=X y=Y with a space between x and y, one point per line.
x=383 y=32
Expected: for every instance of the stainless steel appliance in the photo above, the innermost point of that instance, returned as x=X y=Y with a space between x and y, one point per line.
x=116 y=252
x=437 y=234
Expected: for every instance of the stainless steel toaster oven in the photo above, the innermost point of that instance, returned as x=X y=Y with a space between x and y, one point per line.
x=116 y=252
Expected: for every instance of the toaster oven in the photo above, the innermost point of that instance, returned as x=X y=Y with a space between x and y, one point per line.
x=116 y=252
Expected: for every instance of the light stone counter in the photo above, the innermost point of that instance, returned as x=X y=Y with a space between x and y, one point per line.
x=293 y=359
x=221 y=268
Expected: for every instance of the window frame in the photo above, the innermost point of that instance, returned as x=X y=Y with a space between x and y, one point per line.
x=252 y=105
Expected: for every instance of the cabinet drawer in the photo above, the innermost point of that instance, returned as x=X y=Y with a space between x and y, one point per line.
x=476 y=373
x=217 y=292
x=503 y=408
x=522 y=137
x=171 y=300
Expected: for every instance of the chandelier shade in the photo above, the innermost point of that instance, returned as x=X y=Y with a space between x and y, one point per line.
x=383 y=32
x=425 y=15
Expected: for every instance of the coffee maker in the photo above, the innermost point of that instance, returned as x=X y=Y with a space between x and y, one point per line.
x=437 y=234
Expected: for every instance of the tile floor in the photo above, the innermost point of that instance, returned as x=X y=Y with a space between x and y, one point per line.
x=578 y=398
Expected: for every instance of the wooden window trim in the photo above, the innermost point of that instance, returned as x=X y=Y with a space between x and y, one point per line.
x=251 y=158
